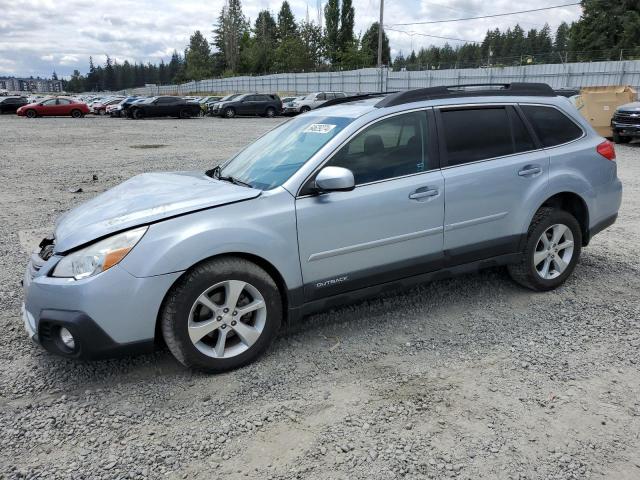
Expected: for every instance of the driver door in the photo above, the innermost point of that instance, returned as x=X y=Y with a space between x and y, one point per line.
x=390 y=226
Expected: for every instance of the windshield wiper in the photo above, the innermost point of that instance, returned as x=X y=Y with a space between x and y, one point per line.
x=215 y=173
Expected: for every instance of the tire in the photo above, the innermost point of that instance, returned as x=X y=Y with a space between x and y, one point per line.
x=616 y=137
x=76 y=113
x=305 y=109
x=31 y=114
x=229 y=113
x=548 y=221
x=182 y=310
x=185 y=113
x=137 y=114
x=270 y=112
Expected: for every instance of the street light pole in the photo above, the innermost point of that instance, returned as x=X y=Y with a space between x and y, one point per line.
x=380 y=34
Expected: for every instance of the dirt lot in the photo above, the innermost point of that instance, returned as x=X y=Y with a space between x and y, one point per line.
x=468 y=378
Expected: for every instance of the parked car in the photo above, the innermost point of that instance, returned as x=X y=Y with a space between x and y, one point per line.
x=266 y=105
x=212 y=107
x=346 y=201
x=11 y=104
x=101 y=107
x=163 y=107
x=311 y=101
x=124 y=106
x=287 y=104
x=54 y=107
x=625 y=123
x=117 y=109
x=206 y=101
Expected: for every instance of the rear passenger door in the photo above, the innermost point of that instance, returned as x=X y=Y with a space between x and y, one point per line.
x=492 y=167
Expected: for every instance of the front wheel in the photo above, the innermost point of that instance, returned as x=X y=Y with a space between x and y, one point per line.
x=185 y=113
x=137 y=114
x=31 y=114
x=221 y=315
x=229 y=113
x=551 y=252
x=305 y=109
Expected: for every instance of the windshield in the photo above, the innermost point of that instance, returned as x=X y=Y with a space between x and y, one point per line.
x=272 y=159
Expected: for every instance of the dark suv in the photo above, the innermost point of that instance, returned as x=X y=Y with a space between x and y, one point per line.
x=625 y=123
x=163 y=107
x=266 y=105
x=11 y=104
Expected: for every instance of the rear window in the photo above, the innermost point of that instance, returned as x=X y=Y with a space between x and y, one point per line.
x=551 y=125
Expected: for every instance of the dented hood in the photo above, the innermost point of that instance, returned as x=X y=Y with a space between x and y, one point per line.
x=144 y=199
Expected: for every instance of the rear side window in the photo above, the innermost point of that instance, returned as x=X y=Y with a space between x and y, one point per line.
x=551 y=125
x=476 y=134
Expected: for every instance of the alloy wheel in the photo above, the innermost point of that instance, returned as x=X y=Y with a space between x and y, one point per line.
x=227 y=319
x=553 y=252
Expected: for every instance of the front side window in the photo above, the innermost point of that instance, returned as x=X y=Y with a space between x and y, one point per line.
x=390 y=148
x=551 y=125
x=273 y=158
x=49 y=102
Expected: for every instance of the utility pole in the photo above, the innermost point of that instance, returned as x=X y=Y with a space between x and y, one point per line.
x=380 y=34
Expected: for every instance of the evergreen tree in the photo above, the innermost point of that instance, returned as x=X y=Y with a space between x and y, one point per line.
x=311 y=36
x=332 y=30
x=264 y=43
x=561 y=41
x=109 y=82
x=287 y=27
x=232 y=26
x=370 y=46
x=174 y=70
x=198 y=64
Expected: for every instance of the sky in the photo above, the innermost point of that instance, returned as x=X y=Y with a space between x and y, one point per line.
x=40 y=36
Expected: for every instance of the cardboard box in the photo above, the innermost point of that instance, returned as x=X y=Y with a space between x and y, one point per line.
x=598 y=104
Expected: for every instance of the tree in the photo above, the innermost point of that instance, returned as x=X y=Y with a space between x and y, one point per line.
x=606 y=28
x=311 y=36
x=347 y=20
x=109 y=82
x=231 y=27
x=286 y=23
x=197 y=59
x=370 y=46
x=262 y=49
x=561 y=41
x=332 y=30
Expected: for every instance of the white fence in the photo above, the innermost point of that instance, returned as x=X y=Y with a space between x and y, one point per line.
x=376 y=80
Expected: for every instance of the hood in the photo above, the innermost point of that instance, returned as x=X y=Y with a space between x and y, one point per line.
x=144 y=199
x=34 y=104
x=630 y=107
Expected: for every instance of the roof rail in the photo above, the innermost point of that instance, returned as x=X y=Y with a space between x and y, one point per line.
x=352 y=98
x=470 y=90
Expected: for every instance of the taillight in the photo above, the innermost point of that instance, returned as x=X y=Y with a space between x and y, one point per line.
x=607 y=150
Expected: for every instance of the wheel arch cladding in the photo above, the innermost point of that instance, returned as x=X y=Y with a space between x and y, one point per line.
x=267 y=266
x=574 y=204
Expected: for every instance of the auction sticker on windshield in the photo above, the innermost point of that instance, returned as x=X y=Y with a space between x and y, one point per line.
x=319 y=128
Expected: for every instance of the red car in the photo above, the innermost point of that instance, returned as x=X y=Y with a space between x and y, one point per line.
x=54 y=107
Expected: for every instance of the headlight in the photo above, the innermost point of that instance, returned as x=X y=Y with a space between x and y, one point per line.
x=99 y=256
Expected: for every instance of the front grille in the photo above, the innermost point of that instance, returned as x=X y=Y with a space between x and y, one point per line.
x=627 y=118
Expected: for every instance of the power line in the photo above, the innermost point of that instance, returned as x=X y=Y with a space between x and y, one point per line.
x=487 y=16
x=432 y=36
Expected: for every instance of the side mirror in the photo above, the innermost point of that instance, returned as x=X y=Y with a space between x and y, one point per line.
x=335 y=179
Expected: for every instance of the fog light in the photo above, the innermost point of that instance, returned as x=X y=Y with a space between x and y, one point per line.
x=67 y=338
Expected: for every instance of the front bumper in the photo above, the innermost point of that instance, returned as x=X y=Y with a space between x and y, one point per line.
x=625 y=129
x=110 y=314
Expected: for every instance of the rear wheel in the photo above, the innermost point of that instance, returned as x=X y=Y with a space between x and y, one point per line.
x=31 y=114
x=229 y=113
x=185 y=113
x=270 y=112
x=551 y=252
x=76 y=113
x=221 y=315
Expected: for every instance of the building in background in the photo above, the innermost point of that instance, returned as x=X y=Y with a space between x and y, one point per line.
x=15 y=84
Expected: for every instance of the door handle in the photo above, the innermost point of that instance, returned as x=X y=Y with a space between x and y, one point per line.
x=529 y=170
x=418 y=194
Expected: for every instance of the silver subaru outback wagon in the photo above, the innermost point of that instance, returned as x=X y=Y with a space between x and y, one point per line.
x=351 y=199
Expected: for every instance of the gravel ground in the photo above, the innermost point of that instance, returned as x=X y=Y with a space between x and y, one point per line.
x=468 y=378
